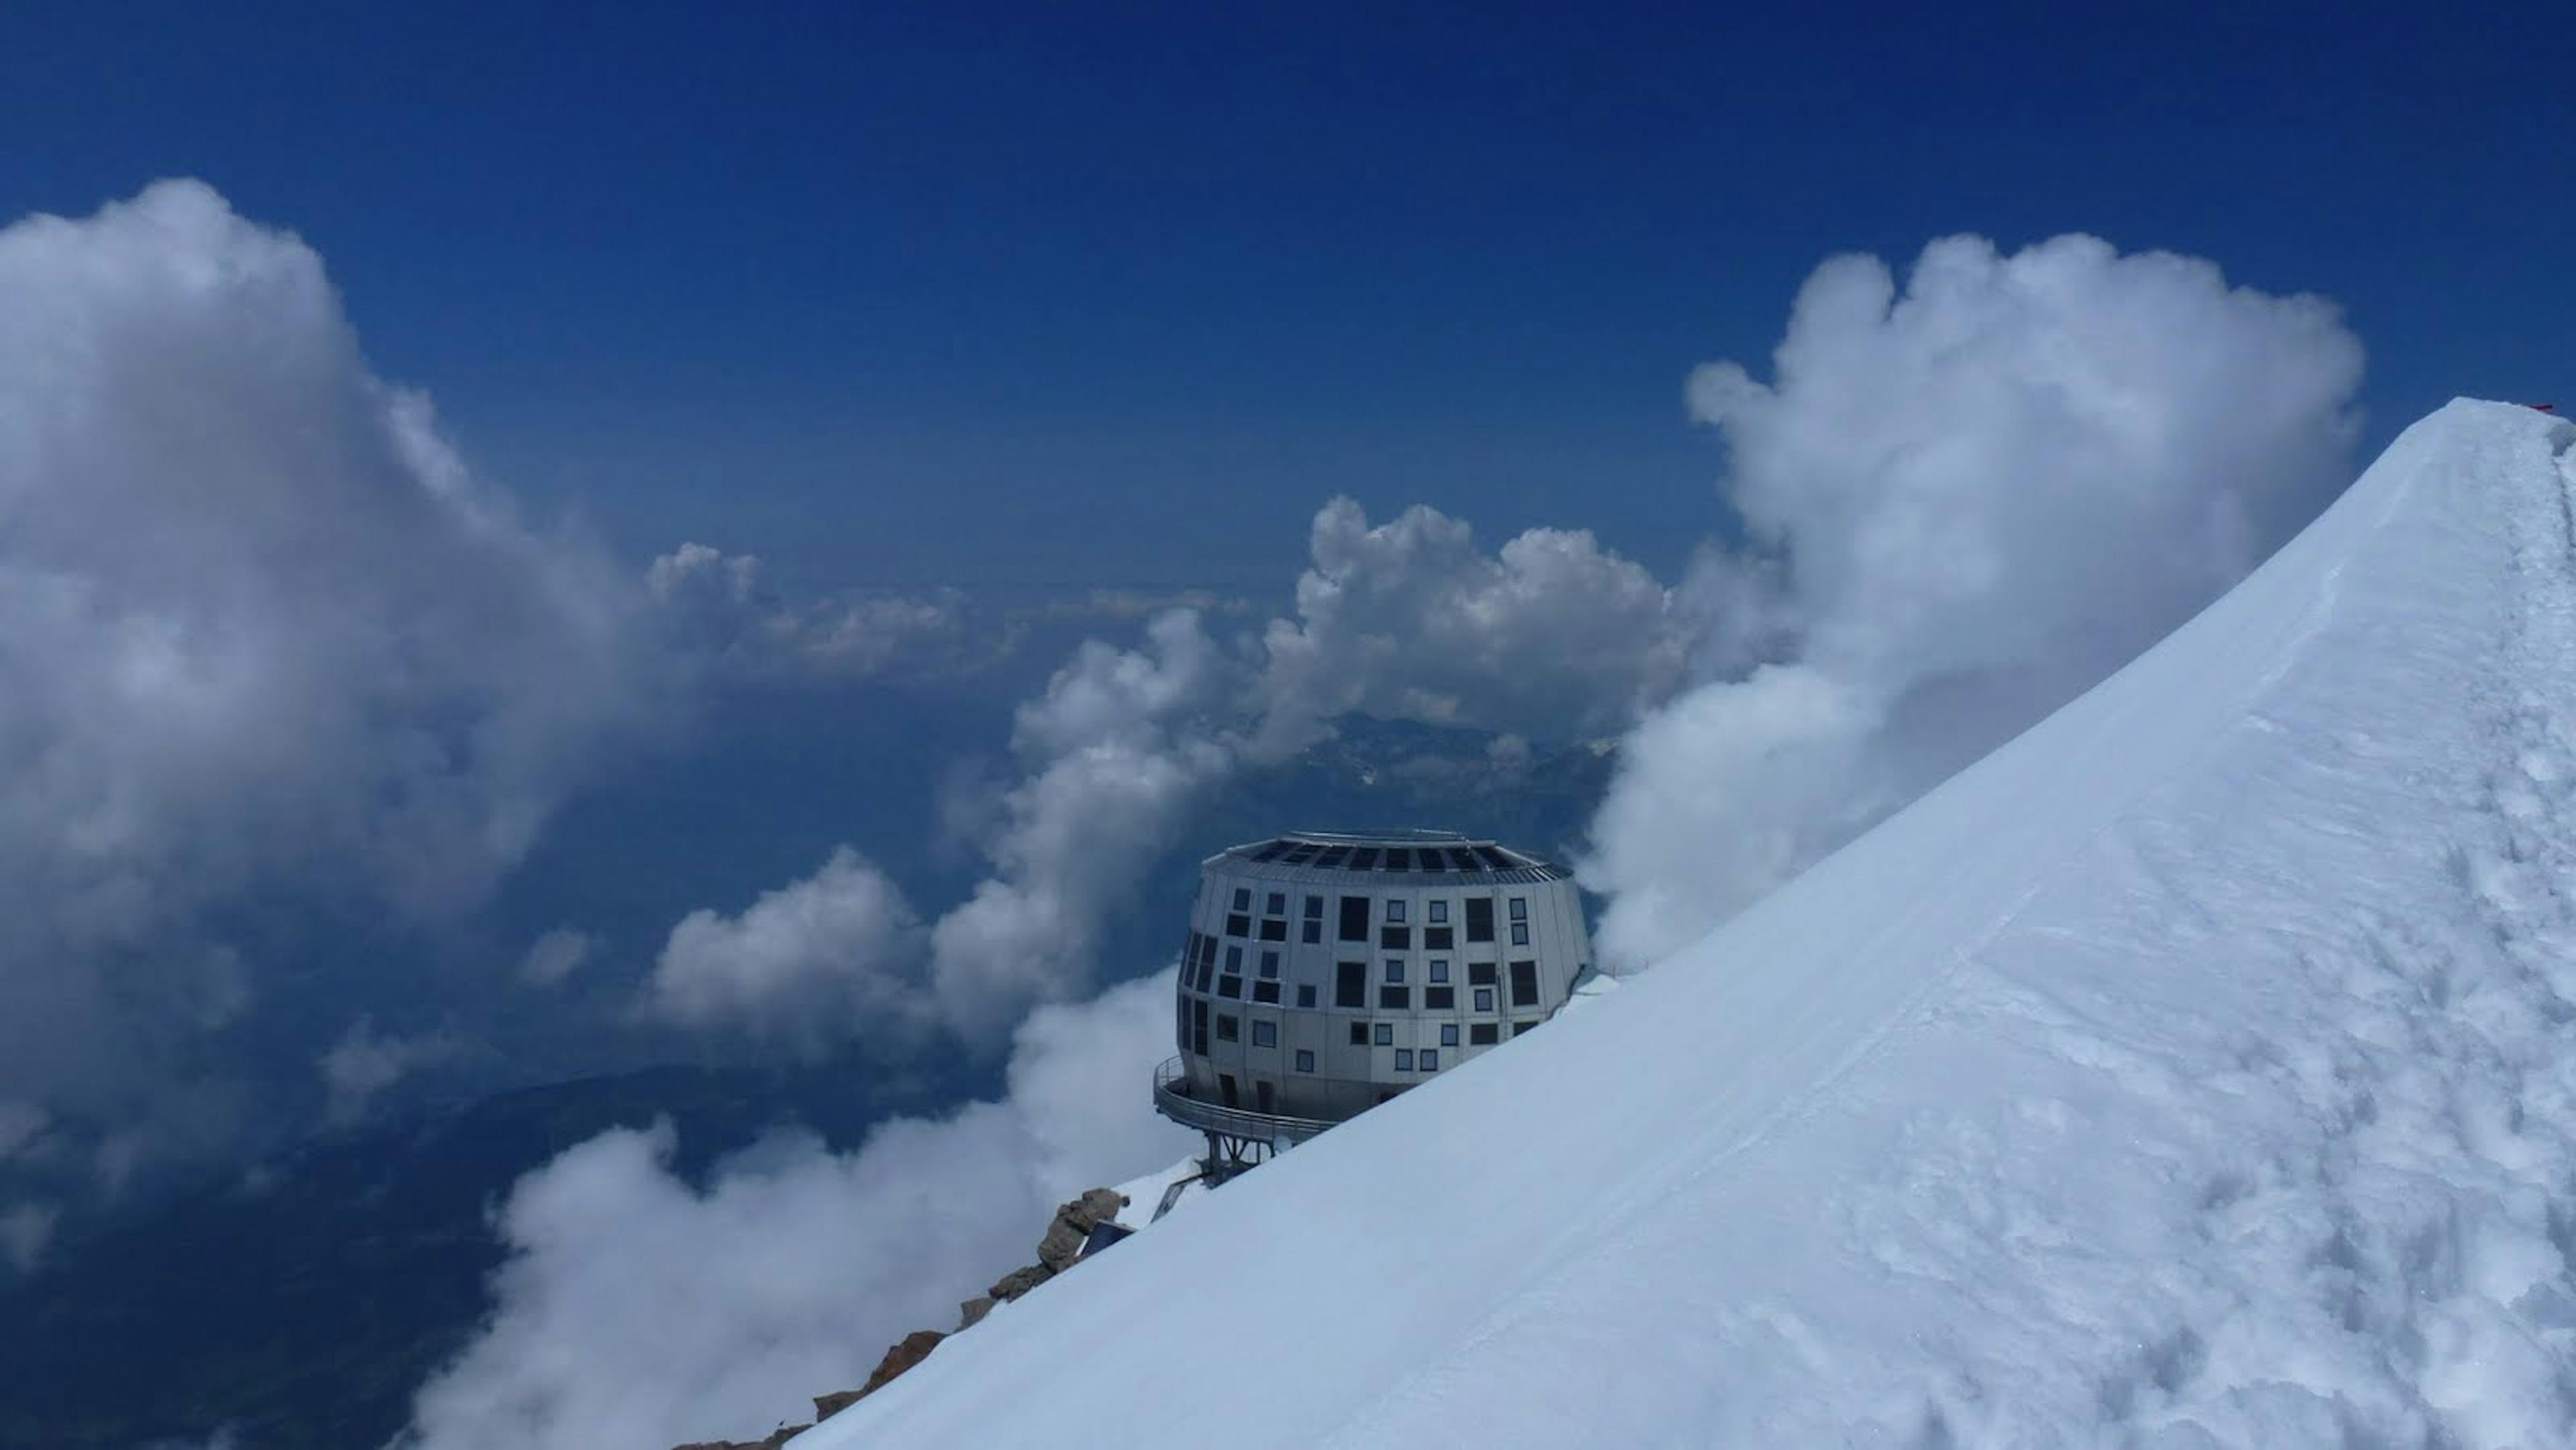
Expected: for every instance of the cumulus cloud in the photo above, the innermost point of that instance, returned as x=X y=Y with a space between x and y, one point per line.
x=718 y=606
x=261 y=634
x=365 y=1062
x=1552 y=635
x=1968 y=501
x=1117 y=750
x=556 y=955
x=637 y=1309
x=834 y=954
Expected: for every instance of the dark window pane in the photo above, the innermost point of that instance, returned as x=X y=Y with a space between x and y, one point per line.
x=1274 y=929
x=1305 y=1060
x=1484 y=999
x=1350 y=984
x=1439 y=938
x=1395 y=969
x=1261 y=1090
x=1181 y=1028
x=1395 y=999
x=1484 y=1034
x=1439 y=912
x=1228 y=1029
x=1277 y=905
x=1520 y=1027
x=1520 y=933
x=1355 y=918
x=1440 y=999
x=1242 y=898
x=1359 y=1034
x=1306 y=995
x=1520 y=908
x=1265 y=1034
x=1238 y=925
x=1399 y=859
x=1364 y=858
x=1265 y=991
x=1199 y=1027
x=1225 y=1085
x=1314 y=933
x=1430 y=1060
x=1234 y=959
x=1229 y=986
x=1404 y=1059
x=1270 y=964
x=1448 y=1034
x=1386 y=1034
x=1332 y=860
x=1395 y=938
x=1524 y=984
x=1439 y=969
x=1480 y=974
x=1395 y=909
x=1480 y=918
x=1314 y=908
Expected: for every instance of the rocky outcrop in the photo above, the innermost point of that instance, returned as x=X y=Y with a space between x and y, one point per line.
x=1066 y=1233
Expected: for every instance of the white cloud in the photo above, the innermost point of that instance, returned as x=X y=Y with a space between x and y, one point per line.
x=719 y=606
x=365 y=1062
x=1552 y=636
x=25 y=1230
x=261 y=634
x=22 y=1124
x=834 y=955
x=636 y=1310
x=1117 y=749
x=556 y=955
x=1969 y=502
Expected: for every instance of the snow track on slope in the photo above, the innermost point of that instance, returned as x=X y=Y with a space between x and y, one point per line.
x=2197 y=1070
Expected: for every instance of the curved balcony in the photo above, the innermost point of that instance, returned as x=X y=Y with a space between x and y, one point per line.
x=1174 y=1099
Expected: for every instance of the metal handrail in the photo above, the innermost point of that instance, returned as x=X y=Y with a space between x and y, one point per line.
x=1173 y=1099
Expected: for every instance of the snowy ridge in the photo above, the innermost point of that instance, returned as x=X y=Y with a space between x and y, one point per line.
x=2195 y=1070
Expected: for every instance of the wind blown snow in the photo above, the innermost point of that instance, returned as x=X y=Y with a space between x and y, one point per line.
x=2195 y=1070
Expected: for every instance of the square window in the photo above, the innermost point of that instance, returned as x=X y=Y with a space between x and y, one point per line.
x=1265 y=1034
x=1386 y=1034
x=1234 y=959
x=1313 y=934
x=1395 y=969
x=1243 y=898
x=1395 y=938
x=1439 y=913
x=1265 y=992
x=1395 y=908
x=1306 y=995
x=1520 y=1027
x=1274 y=929
x=1484 y=999
x=1350 y=984
x=1314 y=908
x=1277 y=905
x=1448 y=1034
x=1480 y=918
x=1359 y=1034
x=1229 y=986
x=1480 y=974
x=1439 y=999
x=1305 y=1060
x=1520 y=908
x=1404 y=1059
x=1430 y=1060
x=1484 y=1034
x=1355 y=915
x=1524 y=984
x=1440 y=969
x=1438 y=938
x=1238 y=925
x=1395 y=999
x=1520 y=933
x=1228 y=1029
x=1270 y=964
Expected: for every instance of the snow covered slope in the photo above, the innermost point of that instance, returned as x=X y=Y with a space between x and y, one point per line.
x=2195 y=1070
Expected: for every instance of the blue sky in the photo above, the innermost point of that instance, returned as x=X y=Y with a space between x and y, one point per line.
x=1016 y=299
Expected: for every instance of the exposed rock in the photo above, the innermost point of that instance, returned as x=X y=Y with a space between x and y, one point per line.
x=972 y=1312
x=772 y=1441
x=1073 y=1224
x=826 y=1406
x=1020 y=1281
